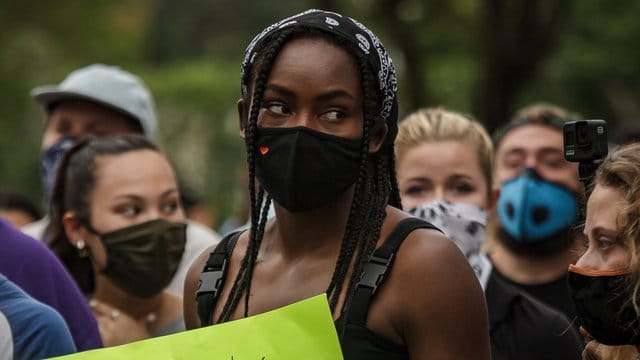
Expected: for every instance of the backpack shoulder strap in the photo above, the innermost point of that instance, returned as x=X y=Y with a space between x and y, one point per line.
x=212 y=276
x=377 y=267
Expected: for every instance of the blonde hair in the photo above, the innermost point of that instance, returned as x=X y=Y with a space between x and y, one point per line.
x=437 y=124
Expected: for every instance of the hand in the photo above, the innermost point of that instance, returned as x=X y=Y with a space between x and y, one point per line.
x=592 y=349
x=116 y=326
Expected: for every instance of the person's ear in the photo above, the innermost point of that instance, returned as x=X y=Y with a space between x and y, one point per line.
x=243 y=115
x=73 y=228
x=378 y=139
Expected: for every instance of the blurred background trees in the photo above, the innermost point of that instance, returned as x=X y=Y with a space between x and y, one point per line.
x=483 y=57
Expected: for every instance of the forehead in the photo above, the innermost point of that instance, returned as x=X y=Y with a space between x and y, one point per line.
x=602 y=207
x=89 y=111
x=314 y=59
x=138 y=171
x=531 y=138
x=441 y=159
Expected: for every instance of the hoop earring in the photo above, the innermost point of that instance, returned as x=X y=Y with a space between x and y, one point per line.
x=83 y=252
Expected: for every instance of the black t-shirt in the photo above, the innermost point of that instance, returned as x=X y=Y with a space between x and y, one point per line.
x=523 y=328
x=555 y=293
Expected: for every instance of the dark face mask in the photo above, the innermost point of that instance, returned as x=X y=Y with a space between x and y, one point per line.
x=49 y=165
x=603 y=306
x=303 y=169
x=143 y=258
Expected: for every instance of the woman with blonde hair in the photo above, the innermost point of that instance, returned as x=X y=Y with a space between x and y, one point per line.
x=444 y=162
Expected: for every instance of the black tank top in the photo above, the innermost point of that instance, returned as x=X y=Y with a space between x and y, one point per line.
x=357 y=341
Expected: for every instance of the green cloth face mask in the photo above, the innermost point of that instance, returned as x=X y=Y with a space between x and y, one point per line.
x=143 y=258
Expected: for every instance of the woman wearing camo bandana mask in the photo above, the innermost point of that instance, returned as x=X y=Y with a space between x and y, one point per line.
x=318 y=115
x=444 y=175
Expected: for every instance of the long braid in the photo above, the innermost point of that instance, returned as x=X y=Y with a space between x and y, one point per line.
x=394 y=195
x=362 y=238
x=255 y=251
x=256 y=201
x=367 y=246
x=354 y=223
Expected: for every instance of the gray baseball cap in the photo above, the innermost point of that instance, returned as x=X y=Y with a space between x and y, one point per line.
x=106 y=85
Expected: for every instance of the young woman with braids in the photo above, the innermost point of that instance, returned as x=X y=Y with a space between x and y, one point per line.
x=318 y=115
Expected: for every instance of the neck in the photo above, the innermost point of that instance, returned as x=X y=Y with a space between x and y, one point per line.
x=137 y=307
x=528 y=270
x=317 y=231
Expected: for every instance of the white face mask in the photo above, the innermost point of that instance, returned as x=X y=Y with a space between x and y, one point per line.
x=463 y=223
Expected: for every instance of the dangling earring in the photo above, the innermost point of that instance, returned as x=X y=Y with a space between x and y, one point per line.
x=83 y=252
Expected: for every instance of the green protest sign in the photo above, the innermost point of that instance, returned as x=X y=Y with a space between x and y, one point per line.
x=303 y=330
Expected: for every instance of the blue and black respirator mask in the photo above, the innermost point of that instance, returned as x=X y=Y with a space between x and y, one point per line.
x=49 y=165
x=532 y=210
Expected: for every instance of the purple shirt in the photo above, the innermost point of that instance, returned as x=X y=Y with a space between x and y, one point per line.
x=33 y=267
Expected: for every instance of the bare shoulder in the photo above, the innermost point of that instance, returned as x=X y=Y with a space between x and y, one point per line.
x=437 y=291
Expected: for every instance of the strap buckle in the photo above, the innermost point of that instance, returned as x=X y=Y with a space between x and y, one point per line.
x=210 y=281
x=374 y=272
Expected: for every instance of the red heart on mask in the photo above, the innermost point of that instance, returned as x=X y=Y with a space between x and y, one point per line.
x=264 y=150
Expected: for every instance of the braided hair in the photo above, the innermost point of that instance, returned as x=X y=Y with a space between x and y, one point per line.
x=375 y=187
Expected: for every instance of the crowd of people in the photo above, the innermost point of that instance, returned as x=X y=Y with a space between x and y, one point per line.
x=429 y=237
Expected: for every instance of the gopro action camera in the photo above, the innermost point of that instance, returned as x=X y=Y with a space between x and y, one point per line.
x=585 y=142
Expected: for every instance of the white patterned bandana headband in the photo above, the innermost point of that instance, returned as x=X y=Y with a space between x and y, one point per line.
x=347 y=29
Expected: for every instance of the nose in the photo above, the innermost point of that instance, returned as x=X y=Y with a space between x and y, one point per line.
x=152 y=213
x=439 y=194
x=531 y=163
x=588 y=260
x=306 y=119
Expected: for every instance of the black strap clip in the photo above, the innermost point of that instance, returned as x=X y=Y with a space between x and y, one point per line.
x=374 y=272
x=210 y=280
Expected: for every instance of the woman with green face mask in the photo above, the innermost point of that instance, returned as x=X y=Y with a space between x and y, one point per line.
x=118 y=225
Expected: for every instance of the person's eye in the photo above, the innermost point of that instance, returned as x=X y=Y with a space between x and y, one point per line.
x=334 y=115
x=463 y=188
x=170 y=207
x=554 y=162
x=277 y=109
x=513 y=161
x=129 y=210
x=605 y=243
x=414 y=190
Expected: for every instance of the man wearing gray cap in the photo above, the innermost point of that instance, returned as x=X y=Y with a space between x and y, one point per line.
x=102 y=100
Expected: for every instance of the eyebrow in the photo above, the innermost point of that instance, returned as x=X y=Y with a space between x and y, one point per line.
x=600 y=230
x=329 y=95
x=280 y=90
x=140 y=198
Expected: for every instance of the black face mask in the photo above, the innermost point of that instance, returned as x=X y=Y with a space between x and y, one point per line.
x=303 y=169
x=603 y=306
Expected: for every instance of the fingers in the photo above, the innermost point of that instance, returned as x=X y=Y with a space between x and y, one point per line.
x=591 y=351
x=585 y=334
